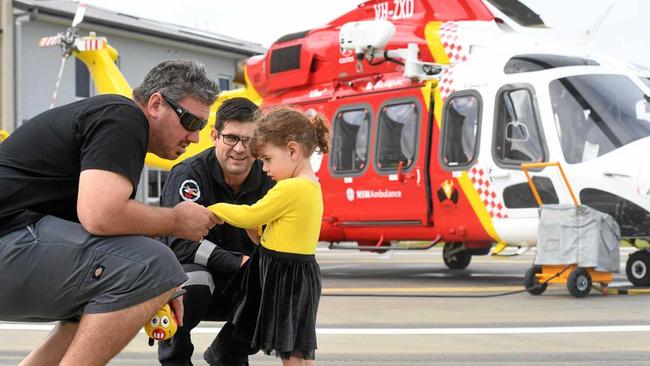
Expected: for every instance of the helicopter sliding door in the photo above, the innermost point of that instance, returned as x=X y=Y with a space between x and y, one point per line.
x=377 y=163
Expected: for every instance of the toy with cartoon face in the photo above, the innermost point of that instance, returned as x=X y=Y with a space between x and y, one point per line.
x=162 y=325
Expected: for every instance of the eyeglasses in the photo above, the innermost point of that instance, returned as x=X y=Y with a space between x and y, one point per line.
x=232 y=140
x=189 y=121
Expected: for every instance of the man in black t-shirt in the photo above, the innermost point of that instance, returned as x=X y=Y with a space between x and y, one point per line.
x=74 y=244
x=223 y=173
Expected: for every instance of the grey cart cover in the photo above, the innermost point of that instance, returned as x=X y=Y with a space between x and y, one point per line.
x=581 y=235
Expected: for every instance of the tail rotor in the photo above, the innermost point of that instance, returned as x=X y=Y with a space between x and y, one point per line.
x=68 y=41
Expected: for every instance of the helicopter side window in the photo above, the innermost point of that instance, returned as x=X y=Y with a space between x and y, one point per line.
x=460 y=130
x=517 y=136
x=350 y=141
x=397 y=136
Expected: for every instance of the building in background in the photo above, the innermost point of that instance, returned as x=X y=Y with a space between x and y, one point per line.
x=28 y=73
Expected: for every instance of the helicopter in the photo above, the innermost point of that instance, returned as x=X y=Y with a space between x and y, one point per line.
x=433 y=109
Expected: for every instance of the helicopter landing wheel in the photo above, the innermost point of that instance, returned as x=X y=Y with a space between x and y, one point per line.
x=456 y=256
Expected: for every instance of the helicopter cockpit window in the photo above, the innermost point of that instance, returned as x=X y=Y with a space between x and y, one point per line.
x=397 y=136
x=596 y=114
x=517 y=137
x=350 y=141
x=460 y=130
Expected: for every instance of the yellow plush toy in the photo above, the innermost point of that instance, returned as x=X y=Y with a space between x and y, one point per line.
x=163 y=324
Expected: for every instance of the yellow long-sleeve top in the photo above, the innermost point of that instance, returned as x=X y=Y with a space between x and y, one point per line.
x=292 y=212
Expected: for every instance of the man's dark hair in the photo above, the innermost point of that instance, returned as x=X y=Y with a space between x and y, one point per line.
x=178 y=79
x=236 y=109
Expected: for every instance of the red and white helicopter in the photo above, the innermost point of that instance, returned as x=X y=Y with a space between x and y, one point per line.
x=434 y=106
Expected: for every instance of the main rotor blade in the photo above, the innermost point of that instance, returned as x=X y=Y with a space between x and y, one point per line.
x=79 y=15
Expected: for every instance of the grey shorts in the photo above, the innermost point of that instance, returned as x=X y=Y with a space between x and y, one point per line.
x=56 y=270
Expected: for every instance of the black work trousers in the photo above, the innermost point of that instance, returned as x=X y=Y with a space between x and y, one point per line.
x=201 y=303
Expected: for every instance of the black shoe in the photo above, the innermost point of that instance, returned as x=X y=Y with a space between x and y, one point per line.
x=213 y=360
x=167 y=363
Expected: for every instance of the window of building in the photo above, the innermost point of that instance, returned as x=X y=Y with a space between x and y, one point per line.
x=155 y=180
x=350 y=139
x=517 y=135
x=224 y=83
x=82 y=79
x=84 y=86
x=397 y=136
x=460 y=130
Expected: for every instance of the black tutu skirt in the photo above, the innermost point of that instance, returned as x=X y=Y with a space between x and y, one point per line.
x=276 y=296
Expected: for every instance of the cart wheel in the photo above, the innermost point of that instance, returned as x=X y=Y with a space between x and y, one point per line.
x=637 y=268
x=531 y=282
x=579 y=282
x=455 y=257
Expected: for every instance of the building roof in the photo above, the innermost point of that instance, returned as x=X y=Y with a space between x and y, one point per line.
x=103 y=17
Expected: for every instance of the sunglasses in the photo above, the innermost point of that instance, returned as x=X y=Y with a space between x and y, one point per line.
x=189 y=121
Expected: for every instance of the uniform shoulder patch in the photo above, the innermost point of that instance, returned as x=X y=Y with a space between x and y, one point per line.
x=190 y=190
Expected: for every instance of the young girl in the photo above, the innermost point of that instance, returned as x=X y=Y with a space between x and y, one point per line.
x=277 y=298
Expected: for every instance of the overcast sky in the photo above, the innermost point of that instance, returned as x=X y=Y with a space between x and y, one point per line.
x=623 y=32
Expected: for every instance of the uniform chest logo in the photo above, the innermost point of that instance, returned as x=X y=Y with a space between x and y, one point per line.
x=189 y=190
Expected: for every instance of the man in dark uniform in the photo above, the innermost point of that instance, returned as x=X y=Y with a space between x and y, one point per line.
x=223 y=173
x=75 y=246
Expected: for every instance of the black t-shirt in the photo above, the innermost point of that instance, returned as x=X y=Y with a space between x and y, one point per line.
x=200 y=179
x=41 y=161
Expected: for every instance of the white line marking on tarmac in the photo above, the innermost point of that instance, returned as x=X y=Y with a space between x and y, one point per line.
x=410 y=331
x=475 y=331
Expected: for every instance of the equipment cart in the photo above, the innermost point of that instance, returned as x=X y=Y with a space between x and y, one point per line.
x=576 y=244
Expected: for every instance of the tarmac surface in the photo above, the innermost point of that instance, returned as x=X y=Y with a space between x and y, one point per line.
x=407 y=308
